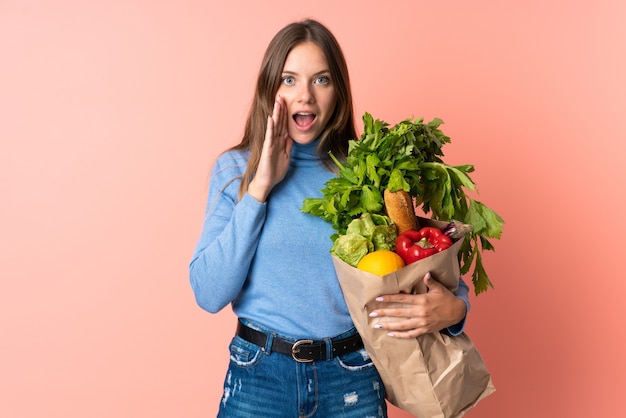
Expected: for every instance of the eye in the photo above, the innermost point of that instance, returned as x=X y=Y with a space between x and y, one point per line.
x=323 y=79
x=288 y=80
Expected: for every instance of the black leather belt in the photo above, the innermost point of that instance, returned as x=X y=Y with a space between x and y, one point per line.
x=303 y=351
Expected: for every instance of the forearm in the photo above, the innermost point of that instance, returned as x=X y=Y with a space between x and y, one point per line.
x=220 y=264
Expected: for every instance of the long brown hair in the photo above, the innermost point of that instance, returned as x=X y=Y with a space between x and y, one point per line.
x=340 y=126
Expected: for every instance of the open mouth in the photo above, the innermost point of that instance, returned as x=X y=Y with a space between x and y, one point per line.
x=304 y=119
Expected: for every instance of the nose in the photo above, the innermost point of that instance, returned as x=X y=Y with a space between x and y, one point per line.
x=305 y=94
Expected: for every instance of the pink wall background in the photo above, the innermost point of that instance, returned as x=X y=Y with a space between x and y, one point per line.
x=111 y=113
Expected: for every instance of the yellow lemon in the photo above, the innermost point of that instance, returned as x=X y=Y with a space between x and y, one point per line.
x=381 y=262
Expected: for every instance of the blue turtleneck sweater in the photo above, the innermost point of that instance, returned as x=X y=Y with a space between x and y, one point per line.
x=269 y=259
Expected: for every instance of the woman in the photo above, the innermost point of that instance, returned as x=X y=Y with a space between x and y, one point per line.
x=296 y=351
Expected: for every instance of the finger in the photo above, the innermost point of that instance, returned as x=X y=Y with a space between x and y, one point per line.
x=404 y=298
x=402 y=324
x=434 y=286
x=431 y=283
x=269 y=131
x=408 y=328
x=404 y=328
x=281 y=125
x=405 y=312
x=399 y=297
x=276 y=113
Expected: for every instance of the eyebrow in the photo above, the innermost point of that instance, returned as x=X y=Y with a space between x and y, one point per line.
x=314 y=75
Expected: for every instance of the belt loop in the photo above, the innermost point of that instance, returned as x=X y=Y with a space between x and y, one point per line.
x=268 y=343
x=329 y=348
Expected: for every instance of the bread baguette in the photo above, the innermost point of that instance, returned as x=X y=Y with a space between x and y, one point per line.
x=399 y=207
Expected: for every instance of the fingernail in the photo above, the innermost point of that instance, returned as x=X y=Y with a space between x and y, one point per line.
x=427 y=275
x=380 y=299
x=378 y=326
x=373 y=314
x=390 y=334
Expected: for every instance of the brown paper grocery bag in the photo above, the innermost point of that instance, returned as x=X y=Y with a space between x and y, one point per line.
x=431 y=376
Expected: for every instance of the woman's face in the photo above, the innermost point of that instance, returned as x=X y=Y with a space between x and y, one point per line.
x=308 y=91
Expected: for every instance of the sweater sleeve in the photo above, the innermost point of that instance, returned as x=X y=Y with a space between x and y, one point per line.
x=462 y=293
x=228 y=240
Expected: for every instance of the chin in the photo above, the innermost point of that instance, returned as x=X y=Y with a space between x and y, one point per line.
x=303 y=138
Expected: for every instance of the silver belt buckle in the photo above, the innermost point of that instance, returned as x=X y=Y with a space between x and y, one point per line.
x=295 y=349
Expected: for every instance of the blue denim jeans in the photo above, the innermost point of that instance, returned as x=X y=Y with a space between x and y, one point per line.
x=260 y=383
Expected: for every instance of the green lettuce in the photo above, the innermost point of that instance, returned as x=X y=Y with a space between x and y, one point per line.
x=369 y=232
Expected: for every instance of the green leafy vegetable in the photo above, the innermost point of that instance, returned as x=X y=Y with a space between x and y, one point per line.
x=408 y=156
x=351 y=248
x=367 y=233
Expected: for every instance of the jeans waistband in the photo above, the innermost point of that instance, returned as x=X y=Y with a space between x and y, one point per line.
x=305 y=350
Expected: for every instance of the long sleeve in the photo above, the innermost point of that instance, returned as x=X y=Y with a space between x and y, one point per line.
x=229 y=237
x=462 y=293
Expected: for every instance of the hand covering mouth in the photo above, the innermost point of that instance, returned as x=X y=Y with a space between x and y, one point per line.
x=304 y=118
